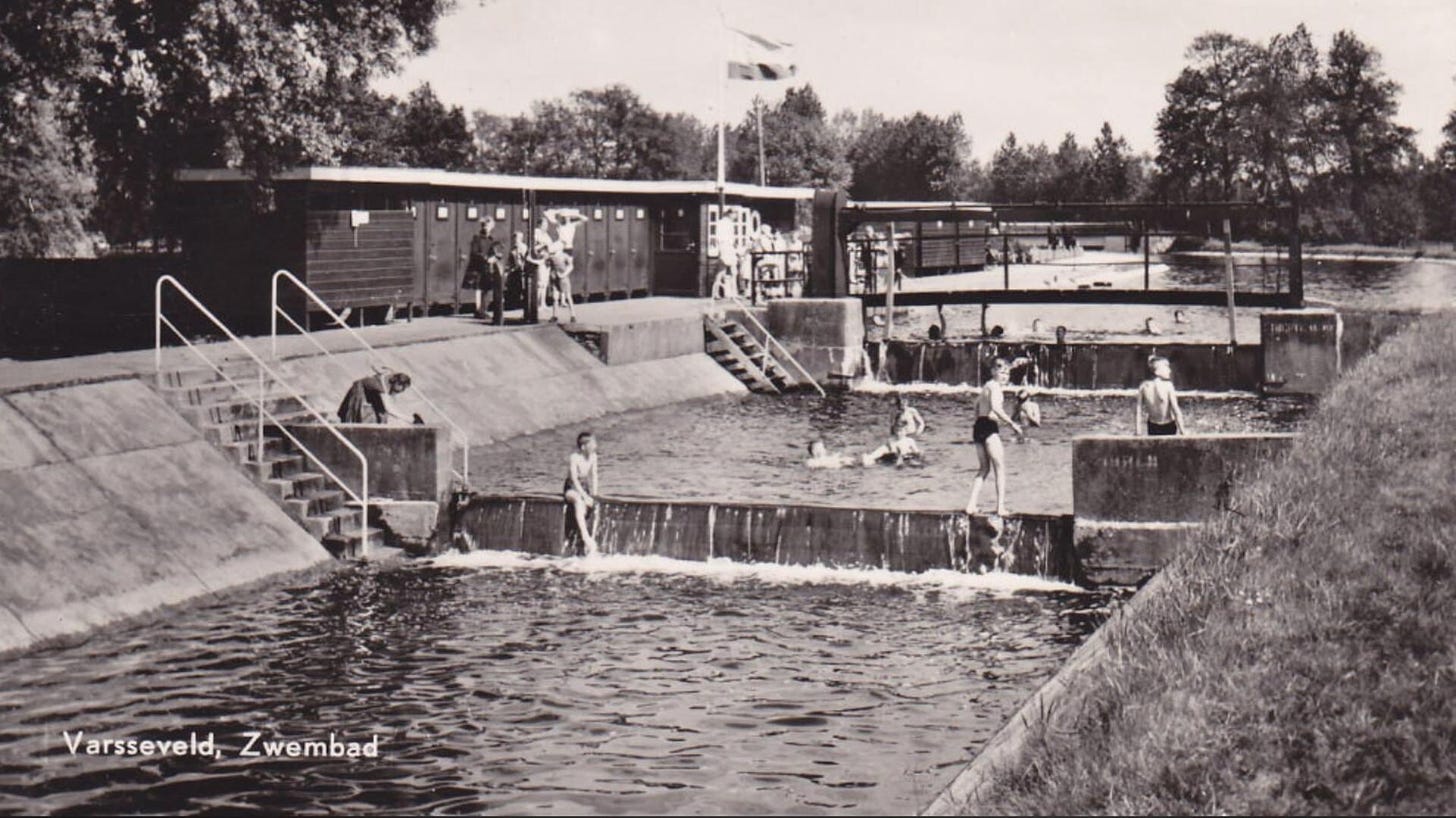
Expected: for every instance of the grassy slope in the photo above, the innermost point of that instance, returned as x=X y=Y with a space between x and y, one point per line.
x=1303 y=659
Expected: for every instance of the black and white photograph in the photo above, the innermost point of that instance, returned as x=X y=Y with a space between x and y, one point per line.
x=727 y=407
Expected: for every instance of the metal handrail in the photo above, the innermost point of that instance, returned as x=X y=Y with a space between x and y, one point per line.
x=464 y=472
x=362 y=496
x=768 y=337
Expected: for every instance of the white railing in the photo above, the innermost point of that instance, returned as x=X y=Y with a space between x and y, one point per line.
x=770 y=341
x=463 y=473
x=362 y=496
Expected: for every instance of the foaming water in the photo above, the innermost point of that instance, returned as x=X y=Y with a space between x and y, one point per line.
x=874 y=387
x=501 y=684
x=728 y=571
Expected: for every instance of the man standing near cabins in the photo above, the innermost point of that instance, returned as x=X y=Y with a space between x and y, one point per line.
x=482 y=269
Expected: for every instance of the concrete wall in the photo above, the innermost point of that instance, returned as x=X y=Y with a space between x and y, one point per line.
x=795 y=535
x=1215 y=367
x=504 y=384
x=1135 y=498
x=405 y=462
x=1301 y=351
x=638 y=341
x=825 y=335
x=1363 y=331
x=113 y=505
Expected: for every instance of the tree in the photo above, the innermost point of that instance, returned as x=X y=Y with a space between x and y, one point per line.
x=1366 y=144
x=427 y=134
x=1069 y=166
x=918 y=157
x=46 y=188
x=1438 y=186
x=1020 y=174
x=1201 y=138
x=158 y=86
x=800 y=147
x=1109 y=170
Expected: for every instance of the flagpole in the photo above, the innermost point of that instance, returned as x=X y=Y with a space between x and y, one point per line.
x=722 y=104
x=762 y=172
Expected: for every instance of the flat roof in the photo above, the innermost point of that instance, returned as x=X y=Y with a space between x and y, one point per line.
x=498 y=181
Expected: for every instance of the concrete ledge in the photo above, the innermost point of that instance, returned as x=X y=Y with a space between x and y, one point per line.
x=635 y=341
x=1214 y=367
x=405 y=462
x=1125 y=554
x=1301 y=351
x=1187 y=478
x=825 y=335
x=912 y=541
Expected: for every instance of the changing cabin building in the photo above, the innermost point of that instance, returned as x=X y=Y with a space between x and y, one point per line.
x=400 y=237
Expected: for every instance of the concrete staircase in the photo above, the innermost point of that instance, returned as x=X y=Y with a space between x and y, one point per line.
x=228 y=419
x=737 y=351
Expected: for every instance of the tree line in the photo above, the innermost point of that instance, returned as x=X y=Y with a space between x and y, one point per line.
x=101 y=101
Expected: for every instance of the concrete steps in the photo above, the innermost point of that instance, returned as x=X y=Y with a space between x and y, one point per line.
x=228 y=418
x=737 y=351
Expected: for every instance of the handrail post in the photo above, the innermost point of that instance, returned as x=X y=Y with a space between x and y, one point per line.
x=157 y=326
x=273 y=317
x=259 y=454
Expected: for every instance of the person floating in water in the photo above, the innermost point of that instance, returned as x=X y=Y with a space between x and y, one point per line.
x=1158 y=402
x=897 y=449
x=821 y=458
x=581 y=473
x=369 y=392
x=990 y=413
x=1027 y=413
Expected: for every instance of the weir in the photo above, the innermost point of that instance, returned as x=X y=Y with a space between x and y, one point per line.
x=897 y=540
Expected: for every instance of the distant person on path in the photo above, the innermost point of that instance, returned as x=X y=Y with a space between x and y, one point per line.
x=560 y=265
x=369 y=392
x=1158 y=402
x=986 y=434
x=580 y=488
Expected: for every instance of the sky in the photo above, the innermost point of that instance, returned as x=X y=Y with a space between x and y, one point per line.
x=1038 y=68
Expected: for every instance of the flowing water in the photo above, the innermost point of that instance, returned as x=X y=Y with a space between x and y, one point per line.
x=753 y=449
x=496 y=683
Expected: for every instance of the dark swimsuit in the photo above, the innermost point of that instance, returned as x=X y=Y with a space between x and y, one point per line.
x=984 y=428
x=1156 y=429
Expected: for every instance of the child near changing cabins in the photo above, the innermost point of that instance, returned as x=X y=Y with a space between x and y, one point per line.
x=560 y=266
x=1158 y=402
x=580 y=488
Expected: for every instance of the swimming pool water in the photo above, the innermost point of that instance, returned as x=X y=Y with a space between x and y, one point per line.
x=753 y=449
x=498 y=684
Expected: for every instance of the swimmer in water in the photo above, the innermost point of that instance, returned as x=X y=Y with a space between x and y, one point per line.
x=990 y=413
x=906 y=417
x=1158 y=402
x=581 y=472
x=1027 y=413
x=821 y=458
x=900 y=448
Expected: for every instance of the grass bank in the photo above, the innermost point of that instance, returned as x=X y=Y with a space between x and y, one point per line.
x=1300 y=656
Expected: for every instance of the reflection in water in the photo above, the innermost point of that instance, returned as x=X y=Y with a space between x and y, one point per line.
x=526 y=687
x=753 y=449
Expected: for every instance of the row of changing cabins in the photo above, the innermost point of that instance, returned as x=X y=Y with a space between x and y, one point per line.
x=399 y=238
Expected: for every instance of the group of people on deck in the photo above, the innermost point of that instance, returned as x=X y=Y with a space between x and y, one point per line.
x=542 y=267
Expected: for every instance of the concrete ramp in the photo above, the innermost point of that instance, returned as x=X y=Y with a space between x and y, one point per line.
x=504 y=384
x=111 y=505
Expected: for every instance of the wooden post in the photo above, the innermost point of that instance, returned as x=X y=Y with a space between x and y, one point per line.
x=533 y=305
x=1296 y=261
x=1147 y=259
x=762 y=165
x=890 y=288
x=1005 y=258
x=1228 y=276
x=956 y=246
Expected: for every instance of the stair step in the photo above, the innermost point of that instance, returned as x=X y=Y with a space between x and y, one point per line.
x=235 y=368
x=240 y=408
x=314 y=503
x=246 y=429
x=341 y=521
x=350 y=546
x=304 y=482
x=203 y=393
x=243 y=451
x=279 y=466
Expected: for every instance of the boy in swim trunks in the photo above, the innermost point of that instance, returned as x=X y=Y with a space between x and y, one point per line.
x=821 y=458
x=986 y=434
x=1158 y=402
x=581 y=473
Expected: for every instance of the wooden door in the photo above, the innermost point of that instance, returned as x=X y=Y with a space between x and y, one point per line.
x=443 y=266
x=639 y=252
x=619 y=253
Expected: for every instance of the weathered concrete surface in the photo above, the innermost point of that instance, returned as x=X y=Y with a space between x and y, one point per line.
x=1187 y=478
x=634 y=341
x=1301 y=351
x=825 y=335
x=1125 y=554
x=114 y=505
x=1214 y=367
x=405 y=462
x=792 y=535
x=505 y=384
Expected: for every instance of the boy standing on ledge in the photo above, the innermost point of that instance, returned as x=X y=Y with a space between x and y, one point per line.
x=1158 y=402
